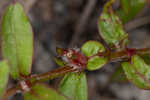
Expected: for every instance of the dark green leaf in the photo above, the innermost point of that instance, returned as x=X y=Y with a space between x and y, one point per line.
x=118 y=75
x=146 y=58
x=43 y=92
x=96 y=62
x=129 y=9
x=125 y=6
x=17 y=40
x=134 y=77
x=4 y=73
x=92 y=47
x=74 y=86
x=111 y=29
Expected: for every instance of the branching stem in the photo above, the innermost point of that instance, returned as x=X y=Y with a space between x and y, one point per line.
x=127 y=53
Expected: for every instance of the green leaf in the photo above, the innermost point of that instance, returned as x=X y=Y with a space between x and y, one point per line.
x=74 y=86
x=141 y=67
x=4 y=74
x=146 y=58
x=118 y=75
x=129 y=9
x=43 y=92
x=125 y=6
x=111 y=29
x=134 y=77
x=92 y=47
x=17 y=40
x=96 y=62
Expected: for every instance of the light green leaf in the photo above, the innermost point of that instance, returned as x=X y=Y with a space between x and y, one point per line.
x=74 y=86
x=96 y=62
x=111 y=29
x=134 y=77
x=141 y=67
x=4 y=74
x=92 y=47
x=129 y=9
x=43 y=92
x=17 y=40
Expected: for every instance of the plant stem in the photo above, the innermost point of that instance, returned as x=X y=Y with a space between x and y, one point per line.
x=143 y=51
x=51 y=74
x=127 y=53
x=10 y=92
x=39 y=78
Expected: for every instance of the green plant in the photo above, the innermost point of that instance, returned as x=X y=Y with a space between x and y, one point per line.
x=17 y=52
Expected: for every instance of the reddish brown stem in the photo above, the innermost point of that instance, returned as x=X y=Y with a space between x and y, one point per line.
x=127 y=53
x=64 y=70
x=10 y=92
x=52 y=74
x=38 y=78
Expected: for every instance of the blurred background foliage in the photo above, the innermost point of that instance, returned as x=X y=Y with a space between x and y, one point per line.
x=69 y=23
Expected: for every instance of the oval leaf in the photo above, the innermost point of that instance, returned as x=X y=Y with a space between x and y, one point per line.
x=141 y=67
x=111 y=30
x=92 y=47
x=43 y=92
x=4 y=74
x=96 y=62
x=74 y=86
x=17 y=42
x=129 y=9
x=134 y=77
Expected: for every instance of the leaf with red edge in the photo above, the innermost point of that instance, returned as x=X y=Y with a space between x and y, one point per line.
x=134 y=77
x=111 y=28
x=138 y=72
x=141 y=67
